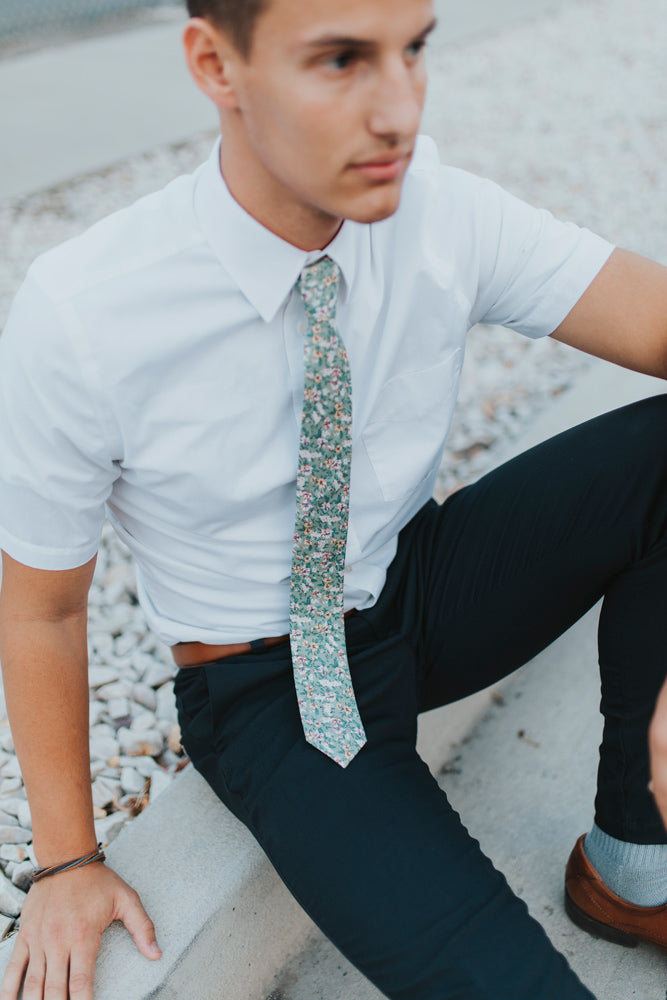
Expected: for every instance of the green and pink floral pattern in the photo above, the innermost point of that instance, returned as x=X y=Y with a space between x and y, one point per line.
x=329 y=712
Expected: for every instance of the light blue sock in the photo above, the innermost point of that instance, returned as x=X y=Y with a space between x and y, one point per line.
x=635 y=872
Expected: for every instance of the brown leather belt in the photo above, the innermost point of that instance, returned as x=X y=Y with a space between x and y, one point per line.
x=193 y=654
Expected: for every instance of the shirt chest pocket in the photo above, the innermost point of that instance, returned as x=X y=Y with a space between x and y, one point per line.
x=408 y=426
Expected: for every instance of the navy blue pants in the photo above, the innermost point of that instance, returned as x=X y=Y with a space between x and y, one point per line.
x=374 y=852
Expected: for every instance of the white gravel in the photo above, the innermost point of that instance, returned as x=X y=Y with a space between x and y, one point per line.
x=568 y=112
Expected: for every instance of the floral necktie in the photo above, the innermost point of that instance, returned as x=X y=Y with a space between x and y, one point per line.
x=329 y=712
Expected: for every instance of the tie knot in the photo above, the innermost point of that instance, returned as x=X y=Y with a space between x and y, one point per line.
x=318 y=286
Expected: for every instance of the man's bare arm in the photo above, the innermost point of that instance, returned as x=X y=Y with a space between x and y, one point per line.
x=622 y=316
x=43 y=650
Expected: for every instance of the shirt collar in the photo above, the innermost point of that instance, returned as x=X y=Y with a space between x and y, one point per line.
x=264 y=266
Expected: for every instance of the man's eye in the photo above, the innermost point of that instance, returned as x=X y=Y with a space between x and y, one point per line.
x=341 y=60
x=417 y=47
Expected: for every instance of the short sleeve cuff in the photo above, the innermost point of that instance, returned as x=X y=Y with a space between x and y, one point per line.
x=567 y=286
x=42 y=557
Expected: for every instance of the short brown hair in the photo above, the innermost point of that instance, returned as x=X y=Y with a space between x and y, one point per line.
x=238 y=17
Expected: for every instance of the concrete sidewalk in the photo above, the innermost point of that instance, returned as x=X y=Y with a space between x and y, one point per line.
x=82 y=106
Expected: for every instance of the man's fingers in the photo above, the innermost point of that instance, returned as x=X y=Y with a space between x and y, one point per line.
x=139 y=924
x=14 y=971
x=82 y=971
x=57 y=972
x=33 y=985
x=62 y=925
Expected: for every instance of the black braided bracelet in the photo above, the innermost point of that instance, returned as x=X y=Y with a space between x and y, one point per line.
x=87 y=859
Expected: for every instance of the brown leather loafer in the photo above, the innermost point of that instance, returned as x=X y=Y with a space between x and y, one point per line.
x=598 y=910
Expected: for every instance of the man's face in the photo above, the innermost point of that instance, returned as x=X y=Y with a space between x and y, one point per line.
x=329 y=103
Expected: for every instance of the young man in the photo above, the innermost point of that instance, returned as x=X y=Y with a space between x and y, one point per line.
x=254 y=370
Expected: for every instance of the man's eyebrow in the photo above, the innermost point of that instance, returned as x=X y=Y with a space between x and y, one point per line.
x=349 y=41
x=431 y=26
x=336 y=41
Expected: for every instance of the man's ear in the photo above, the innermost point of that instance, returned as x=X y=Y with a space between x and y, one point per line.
x=210 y=56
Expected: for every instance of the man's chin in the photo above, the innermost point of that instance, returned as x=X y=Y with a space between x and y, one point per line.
x=374 y=211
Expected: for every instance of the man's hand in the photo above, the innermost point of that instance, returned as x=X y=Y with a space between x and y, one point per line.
x=62 y=922
x=657 y=741
x=45 y=670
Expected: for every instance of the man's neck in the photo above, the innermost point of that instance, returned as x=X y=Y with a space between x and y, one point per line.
x=259 y=196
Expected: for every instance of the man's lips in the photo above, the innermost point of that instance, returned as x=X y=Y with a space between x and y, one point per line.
x=386 y=167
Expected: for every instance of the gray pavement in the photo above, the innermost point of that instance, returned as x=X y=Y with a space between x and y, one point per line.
x=81 y=106
x=20 y=17
x=460 y=21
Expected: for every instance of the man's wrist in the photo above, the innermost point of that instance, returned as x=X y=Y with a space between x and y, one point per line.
x=56 y=851
x=82 y=861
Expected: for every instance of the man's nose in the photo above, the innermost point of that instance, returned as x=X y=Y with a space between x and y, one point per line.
x=397 y=101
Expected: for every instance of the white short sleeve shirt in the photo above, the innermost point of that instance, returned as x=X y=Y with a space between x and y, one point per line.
x=151 y=369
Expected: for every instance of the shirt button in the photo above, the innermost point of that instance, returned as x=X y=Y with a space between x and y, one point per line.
x=348 y=569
